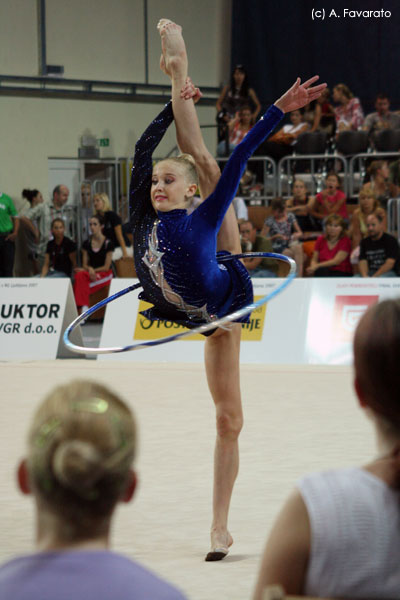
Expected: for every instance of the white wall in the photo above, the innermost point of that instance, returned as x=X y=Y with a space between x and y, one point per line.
x=96 y=39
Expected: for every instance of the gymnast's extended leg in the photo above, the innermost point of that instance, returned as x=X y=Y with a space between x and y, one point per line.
x=222 y=348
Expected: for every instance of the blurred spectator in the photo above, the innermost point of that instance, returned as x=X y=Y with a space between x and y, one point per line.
x=312 y=115
x=327 y=123
x=367 y=205
x=44 y=213
x=238 y=127
x=330 y=201
x=86 y=195
x=383 y=118
x=79 y=467
x=9 y=225
x=284 y=232
x=379 y=251
x=378 y=173
x=96 y=270
x=253 y=242
x=233 y=96
x=349 y=114
x=394 y=179
x=112 y=226
x=300 y=205
x=331 y=256
x=338 y=533
x=281 y=143
x=60 y=257
x=29 y=235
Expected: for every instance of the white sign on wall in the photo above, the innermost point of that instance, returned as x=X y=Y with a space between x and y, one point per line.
x=34 y=314
x=311 y=322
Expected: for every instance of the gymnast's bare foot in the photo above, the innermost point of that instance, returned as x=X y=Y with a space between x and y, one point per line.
x=173 y=47
x=221 y=541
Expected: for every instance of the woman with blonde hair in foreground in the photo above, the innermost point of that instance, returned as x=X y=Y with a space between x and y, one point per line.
x=338 y=535
x=81 y=446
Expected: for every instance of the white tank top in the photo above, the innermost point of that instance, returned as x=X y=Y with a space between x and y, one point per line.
x=355 y=535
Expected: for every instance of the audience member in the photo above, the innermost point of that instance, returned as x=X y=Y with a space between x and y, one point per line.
x=44 y=213
x=327 y=123
x=29 y=231
x=96 y=270
x=60 y=258
x=330 y=201
x=282 y=142
x=379 y=251
x=383 y=118
x=284 y=232
x=253 y=242
x=112 y=226
x=300 y=205
x=349 y=114
x=81 y=446
x=367 y=205
x=9 y=225
x=233 y=96
x=394 y=179
x=331 y=257
x=238 y=127
x=312 y=113
x=338 y=534
x=378 y=173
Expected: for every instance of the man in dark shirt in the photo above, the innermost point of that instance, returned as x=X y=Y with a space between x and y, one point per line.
x=257 y=267
x=379 y=252
x=60 y=257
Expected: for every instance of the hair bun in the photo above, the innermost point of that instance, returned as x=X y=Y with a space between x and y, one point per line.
x=77 y=465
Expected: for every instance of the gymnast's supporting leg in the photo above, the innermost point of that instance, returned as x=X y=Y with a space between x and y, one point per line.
x=190 y=140
x=222 y=367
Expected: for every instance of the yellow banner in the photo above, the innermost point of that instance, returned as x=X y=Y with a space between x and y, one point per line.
x=155 y=330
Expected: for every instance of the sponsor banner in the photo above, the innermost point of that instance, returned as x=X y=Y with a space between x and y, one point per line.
x=34 y=313
x=263 y=338
x=335 y=308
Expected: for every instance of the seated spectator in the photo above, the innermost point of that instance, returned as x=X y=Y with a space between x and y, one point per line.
x=338 y=534
x=96 y=271
x=112 y=226
x=29 y=229
x=383 y=118
x=60 y=259
x=238 y=127
x=43 y=214
x=282 y=142
x=367 y=205
x=379 y=251
x=258 y=267
x=233 y=96
x=9 y=226
x=378 y=173
x=349 y=114
x=394 y=179
x=81 y=446
x=312 y=113
x=331 y=256
x=284 y=232
x=300 y=205
x=330 y=201
x=327 y=122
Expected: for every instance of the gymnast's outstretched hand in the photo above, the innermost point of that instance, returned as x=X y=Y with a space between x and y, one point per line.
x=300 y=94
x=189 y=90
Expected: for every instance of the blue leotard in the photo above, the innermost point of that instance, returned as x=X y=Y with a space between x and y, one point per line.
x=176 y=253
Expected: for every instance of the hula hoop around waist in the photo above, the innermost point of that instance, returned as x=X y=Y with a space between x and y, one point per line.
x=200 y=329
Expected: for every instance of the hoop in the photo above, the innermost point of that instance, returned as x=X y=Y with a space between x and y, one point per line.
x=200 y=329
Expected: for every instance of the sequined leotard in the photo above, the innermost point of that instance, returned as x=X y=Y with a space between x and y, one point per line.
x=176 y=253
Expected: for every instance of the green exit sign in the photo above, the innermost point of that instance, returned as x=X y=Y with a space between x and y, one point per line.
x=104 y=141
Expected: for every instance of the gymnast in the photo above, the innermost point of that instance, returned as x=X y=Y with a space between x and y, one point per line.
x=176 y=254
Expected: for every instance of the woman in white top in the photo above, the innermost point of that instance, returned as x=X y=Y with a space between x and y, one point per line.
x=338 y=535
x=282 y=142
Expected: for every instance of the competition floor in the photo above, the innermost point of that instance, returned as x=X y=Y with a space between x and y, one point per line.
x=297 y=419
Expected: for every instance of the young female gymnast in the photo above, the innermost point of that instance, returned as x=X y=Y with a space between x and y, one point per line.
x=176 y=254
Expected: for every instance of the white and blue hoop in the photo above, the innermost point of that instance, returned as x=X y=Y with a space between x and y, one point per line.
x=200 y=329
